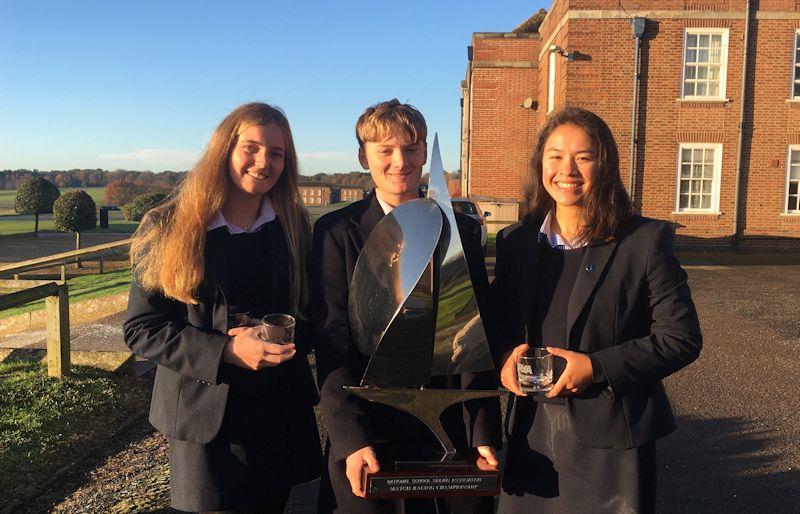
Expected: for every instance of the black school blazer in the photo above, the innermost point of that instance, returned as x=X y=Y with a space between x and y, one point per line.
x=338 y=239
x=186 y=343
x=630 y=310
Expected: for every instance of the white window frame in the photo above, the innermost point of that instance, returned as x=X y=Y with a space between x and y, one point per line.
x=715 y=186
x=551 y=82
x=792 y=148
x=796 y=68
x=723 y=72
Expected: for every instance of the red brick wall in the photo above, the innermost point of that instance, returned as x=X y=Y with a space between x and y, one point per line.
x=601 y=79
x=502 y=131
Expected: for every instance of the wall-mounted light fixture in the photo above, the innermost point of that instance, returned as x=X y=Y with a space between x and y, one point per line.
x=570 y=56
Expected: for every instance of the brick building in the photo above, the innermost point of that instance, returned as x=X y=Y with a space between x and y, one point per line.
x=705 y=69
x=350 y=194
x=315 y=194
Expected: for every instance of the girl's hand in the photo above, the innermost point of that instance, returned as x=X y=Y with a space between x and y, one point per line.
x=508 y=373
x=249 y=351
x=577 y=376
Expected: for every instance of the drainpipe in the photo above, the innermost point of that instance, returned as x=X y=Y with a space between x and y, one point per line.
x=735 y=233
x=468 y=160
x=637 y=24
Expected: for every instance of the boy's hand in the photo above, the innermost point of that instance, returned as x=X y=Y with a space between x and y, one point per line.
x=356 y=465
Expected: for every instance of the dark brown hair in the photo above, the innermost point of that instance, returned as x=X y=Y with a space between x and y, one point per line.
x=607 y=206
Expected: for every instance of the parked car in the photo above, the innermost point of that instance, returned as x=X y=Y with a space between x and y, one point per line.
x=471 y=209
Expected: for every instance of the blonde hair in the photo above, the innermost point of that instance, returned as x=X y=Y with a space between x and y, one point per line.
x=382 y=120
x=167 y=252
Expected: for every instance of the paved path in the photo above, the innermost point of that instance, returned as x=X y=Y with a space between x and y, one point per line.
x=736 y=448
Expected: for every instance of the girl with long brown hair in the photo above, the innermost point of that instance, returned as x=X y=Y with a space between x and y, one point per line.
x=602 y=290
x=230 y=245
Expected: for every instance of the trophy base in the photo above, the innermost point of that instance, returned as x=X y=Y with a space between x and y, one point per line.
x=407 y=479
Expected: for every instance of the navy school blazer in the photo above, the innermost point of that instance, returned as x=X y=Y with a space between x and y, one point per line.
x=630 y=310
x=186 y=343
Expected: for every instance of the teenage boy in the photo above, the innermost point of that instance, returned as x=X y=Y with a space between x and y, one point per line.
x=392 y=146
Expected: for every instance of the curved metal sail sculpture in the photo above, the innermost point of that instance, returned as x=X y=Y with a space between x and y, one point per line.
x=412 y=307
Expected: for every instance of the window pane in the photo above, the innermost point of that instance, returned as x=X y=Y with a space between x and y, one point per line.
x=793 y=188
x=795 y=156
x=716 y=40
x=708 y=171
x=691 y=72
x=694 y=202
x=684 y=187
x=702 y=72
x=697 y=170
x=691 y=56
x=691 y=40
x=702 y=55
x=701 y=89
x=794 y=173
x=702 y=40
x=686 y=155
x=707 y=186
x=696 y=186
x=688 y=89
x=715 y=55
x=709 y=157
x=713 y=89
x=713 y=72
x=698 y=155
x=706 y=202
x=686 y=170
x=684 y=202
x=797 y=89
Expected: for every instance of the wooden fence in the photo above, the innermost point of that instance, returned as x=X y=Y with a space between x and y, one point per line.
x=56 y=305
x=55 y=294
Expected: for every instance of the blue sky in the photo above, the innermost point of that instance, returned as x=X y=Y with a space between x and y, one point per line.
x=141 y=85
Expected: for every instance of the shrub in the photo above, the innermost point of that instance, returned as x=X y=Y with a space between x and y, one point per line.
x=74 y=211
x=138 y=207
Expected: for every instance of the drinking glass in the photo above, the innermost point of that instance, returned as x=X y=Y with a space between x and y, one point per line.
x=277 y=328
x=535 y=370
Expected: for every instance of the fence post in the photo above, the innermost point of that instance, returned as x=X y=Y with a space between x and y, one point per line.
x=101 y=264
x=63 y=272
x=57 y=316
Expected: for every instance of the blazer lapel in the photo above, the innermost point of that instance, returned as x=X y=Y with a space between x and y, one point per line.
x=279 y=253
x=595 y=261
x=365 y=221
x=217 y=267
x=530 y=263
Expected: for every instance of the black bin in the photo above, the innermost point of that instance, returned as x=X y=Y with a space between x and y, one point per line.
x=103 y=217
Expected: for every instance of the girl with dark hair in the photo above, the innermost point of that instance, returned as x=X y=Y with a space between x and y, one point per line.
x=231 y=245
x=602 y=289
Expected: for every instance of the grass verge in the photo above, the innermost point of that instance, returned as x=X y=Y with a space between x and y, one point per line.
x=83 y=288
x=50 y=427
x=26 y=226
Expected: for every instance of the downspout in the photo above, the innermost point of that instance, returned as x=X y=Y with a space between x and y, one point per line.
x=735 y=233
x=637 y=24
x=468 y=137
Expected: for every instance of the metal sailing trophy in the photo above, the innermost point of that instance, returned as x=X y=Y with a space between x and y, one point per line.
x=412 y=308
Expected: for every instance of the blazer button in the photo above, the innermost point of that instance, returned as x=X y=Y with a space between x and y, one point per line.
x=590 y=268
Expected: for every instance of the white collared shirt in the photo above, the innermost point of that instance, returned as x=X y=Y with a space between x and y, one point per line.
x=385 y=206
x=266 y=215
x=554 y=239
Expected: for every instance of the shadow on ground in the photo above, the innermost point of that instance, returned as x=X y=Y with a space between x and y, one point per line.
x=723 y=465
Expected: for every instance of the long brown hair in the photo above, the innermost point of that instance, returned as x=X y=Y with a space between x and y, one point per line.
x=607 y=205
x=167 y=252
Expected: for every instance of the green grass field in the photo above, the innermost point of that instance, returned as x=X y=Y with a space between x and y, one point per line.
x=7 y=197
x=15 y=227
x=83 y=288
x=47 y=424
